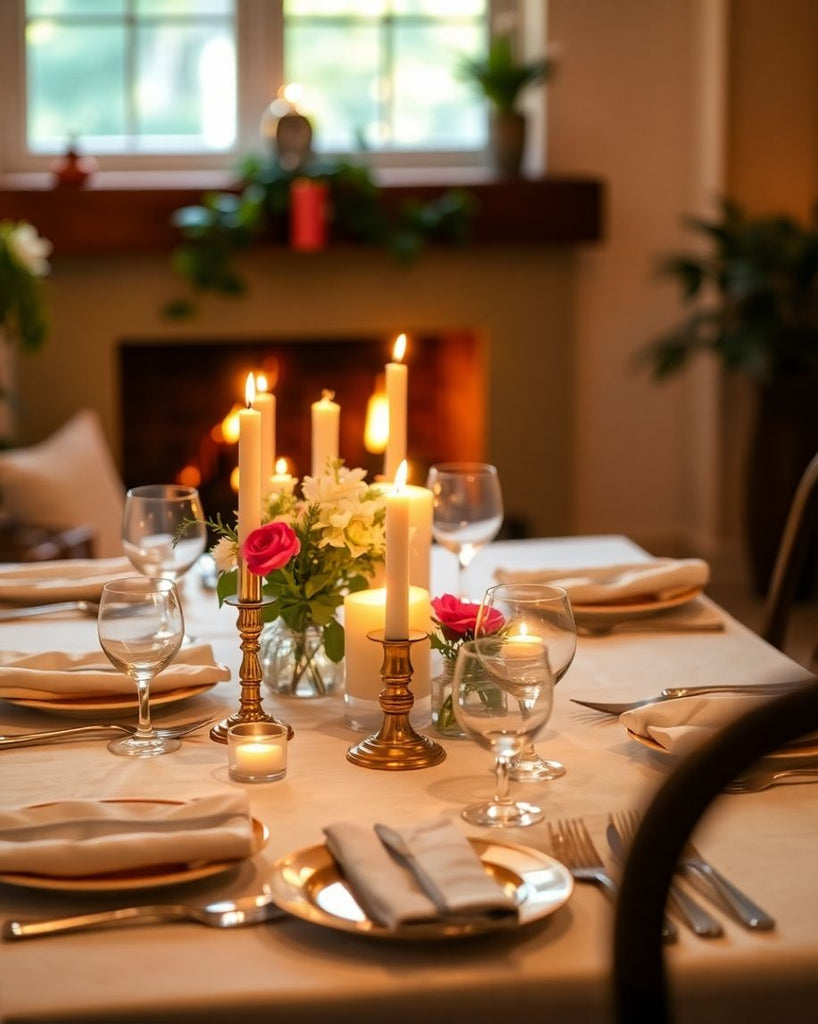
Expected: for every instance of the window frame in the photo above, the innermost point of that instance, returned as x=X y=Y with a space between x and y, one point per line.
x=260 y=62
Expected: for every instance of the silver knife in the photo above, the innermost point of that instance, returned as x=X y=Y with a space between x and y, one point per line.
x=29 y=611
x=674 y=692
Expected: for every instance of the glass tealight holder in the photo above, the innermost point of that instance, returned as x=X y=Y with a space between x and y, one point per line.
x=257 y=751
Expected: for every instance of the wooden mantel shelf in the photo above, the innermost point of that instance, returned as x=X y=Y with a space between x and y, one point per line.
x=108 y=219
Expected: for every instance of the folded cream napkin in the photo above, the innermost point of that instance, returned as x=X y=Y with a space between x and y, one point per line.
x=684 y=723
x=76 y=674
x=660 y=579
x=73 y=838
x=73 y=579
x=416 y=875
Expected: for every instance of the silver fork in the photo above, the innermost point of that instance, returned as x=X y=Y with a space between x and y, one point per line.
x=101 y=730
x=700 y=921
x=572 y=844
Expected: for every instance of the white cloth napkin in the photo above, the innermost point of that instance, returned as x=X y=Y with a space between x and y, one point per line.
x=416 y=875
x=684 y=723
x=660 y=579
x=74 y=838
x=84 y=674
x=72 y=579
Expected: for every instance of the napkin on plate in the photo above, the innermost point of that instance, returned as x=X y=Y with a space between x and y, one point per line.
x=660 y=579
x=76 y=674
x=684 y=723
x=74 y=838
x=415 y=875
x=72 y=579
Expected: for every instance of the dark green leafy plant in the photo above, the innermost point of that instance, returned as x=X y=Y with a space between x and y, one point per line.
x=227 y=223
x=22 y=263
x=755 y=292
x=500 y=76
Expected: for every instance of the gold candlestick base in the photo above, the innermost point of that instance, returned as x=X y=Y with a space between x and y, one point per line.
x=396 y=746
x=250 y=604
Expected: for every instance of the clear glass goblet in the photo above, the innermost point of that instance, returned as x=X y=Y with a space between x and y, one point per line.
x=533 y=609
x=140 y=627
x=467 y=510
x=163 y=529
x=502 y=693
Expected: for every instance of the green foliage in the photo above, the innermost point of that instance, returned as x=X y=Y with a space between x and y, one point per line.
x=225 y=224
x=22 y=311
x=500 y=76
x=755 y=291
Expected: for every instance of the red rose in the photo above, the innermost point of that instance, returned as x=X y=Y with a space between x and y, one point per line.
x=269 y=548
x=458 y=618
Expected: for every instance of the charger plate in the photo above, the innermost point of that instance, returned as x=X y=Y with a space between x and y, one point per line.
x=139 y=878
x=613 y=612
x=107 y=704
x=309 y=885
x=804 y=750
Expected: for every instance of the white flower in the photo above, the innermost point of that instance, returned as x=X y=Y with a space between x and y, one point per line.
x=224 y=553
x=333 y=488
x=29 y=249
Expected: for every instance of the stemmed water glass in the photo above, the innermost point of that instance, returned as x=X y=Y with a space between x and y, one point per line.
x=141 y=626
x=533 y=609
x=502 y=692
x=163 y=529
x=467 y=509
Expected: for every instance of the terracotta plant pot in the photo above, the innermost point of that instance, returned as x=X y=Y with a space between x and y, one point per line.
x=507 y=140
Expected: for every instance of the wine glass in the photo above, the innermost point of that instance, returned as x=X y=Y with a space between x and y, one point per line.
x=140 y=627
x=502 y=692
x=163 y=529
x=533 y=609
x=467 y=509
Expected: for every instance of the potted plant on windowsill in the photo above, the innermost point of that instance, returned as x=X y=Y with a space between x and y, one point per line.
x=501 y=77
x=754 y=292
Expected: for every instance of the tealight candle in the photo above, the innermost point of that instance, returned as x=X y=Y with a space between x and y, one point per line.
x=257 y=751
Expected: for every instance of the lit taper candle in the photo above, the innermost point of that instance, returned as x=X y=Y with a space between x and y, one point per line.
x=397 y=377
x=249 y=464
x=396 y=622
x=265 y=402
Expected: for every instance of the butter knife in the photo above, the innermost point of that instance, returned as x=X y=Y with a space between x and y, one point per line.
x=674 y=692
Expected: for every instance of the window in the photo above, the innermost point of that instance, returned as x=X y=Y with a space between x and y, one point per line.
x=172 y=84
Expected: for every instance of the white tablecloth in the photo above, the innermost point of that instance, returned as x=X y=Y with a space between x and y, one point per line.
x=557 y=969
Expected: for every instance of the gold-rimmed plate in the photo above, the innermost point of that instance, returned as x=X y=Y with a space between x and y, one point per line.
x=309 y=885
x=799 y=751
x=623 y=611
x=151 y=877
x=107 y=704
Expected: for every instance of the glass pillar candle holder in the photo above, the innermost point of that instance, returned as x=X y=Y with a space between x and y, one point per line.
x=257 y=751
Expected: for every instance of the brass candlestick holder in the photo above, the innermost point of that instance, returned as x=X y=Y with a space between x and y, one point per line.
x=250 y=603
x=396 y=746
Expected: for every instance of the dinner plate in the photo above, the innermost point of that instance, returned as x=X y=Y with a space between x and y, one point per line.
x=793 y=753
x=309 y=885
x=621 y=611
x=138 y=878
x=107 y=704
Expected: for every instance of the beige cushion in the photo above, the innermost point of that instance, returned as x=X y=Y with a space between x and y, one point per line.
x=69 y=479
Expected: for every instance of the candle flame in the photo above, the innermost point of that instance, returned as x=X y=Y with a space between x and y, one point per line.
x=250 y=390
x=400 y=476
x=399 y=349
x=523 y=629
x=281 y=467
x=261 y=382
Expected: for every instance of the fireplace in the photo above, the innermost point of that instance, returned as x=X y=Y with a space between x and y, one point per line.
x=174 y=396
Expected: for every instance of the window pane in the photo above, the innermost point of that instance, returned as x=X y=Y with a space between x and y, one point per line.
x=359 y=8
x=62 y=102
x=433 y=108
x=441 y=8
x=97 y=7
x=183 y=7
x=184 y=85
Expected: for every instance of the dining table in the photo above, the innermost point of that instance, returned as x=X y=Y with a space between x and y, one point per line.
x=556 y=968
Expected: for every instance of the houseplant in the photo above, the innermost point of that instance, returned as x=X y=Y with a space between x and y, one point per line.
x=753 y=292
x=501 y=77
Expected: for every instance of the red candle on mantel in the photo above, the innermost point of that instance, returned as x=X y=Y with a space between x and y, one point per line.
x=308 y=214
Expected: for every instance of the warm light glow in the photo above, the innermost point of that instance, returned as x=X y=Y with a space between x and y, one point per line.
x=399 y=348
x=189 y=476
x=292 y=93
x=230 y=426
x=281 y=467
x=261 y=382
x=376 y=429
x=250 y=390
x=400 y=476
x=234 y=480
x=523 y=629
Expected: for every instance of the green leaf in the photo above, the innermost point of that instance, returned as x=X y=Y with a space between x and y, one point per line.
x=334 y=640
x=226 y=585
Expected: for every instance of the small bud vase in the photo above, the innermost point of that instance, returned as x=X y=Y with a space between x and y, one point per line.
x=294 y=663
x=443 y=718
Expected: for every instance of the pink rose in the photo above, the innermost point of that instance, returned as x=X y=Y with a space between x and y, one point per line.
x=269 y=548
x=458 y=618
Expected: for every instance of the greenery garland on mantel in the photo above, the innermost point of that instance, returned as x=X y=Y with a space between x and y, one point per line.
x=227 y=223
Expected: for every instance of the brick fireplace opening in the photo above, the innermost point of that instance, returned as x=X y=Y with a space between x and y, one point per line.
x=174 y=396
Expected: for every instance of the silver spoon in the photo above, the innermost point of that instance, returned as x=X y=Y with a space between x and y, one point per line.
x=226 y=914
x=763 y=778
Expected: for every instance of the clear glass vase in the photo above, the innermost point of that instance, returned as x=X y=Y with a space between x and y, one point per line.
x=443 y=718
x=294 y=662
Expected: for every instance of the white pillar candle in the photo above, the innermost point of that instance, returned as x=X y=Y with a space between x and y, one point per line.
x=326 y=416
x=249 y=465
x=365 y=612
x=266 y=405
x=420 y=535
x=397 y=377
x=396 y=624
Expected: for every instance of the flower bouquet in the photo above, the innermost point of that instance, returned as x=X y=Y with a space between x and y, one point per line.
x=311 y=551
x=455 y=622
